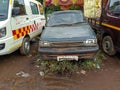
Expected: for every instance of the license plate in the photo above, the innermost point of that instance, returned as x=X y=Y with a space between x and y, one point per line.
x=62 y=58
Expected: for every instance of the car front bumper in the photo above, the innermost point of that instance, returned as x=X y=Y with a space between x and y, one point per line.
x=82 y=53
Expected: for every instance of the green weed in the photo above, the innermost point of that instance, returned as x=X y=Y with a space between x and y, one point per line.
x=68 y=67
x=91 y=64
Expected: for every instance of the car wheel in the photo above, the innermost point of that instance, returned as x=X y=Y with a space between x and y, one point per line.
x=25 y=48
x=107 y=46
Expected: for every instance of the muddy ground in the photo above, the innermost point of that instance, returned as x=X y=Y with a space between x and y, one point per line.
x=20 y=73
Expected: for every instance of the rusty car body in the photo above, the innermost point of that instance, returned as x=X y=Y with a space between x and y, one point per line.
x=67 y=36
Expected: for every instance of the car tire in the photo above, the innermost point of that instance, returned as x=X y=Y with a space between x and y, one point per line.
x=108 y=46
x=25 y=48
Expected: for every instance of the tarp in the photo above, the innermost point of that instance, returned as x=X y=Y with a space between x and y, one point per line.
x=92 y=8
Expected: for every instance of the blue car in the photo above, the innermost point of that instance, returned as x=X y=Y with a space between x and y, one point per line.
x=67 y=36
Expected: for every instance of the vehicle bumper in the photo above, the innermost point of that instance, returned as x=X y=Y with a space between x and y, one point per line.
x=5 y=46
x=52 y=53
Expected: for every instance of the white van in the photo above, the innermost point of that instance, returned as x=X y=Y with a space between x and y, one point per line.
x=20 y=21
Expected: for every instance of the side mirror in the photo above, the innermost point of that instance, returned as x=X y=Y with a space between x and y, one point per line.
x=15 y=11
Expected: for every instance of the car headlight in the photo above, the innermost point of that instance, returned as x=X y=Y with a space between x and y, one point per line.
x=90 y=42
x=2 y=32
x=44 y=44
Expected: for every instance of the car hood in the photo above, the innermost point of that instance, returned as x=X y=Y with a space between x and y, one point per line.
x=65 y=33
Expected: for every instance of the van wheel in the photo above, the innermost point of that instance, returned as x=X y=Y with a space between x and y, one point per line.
x=25 y=48
x=107 y=46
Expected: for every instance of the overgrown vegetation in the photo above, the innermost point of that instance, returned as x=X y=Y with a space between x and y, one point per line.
x=61 y=68
x=91 y=64
x=69 y=67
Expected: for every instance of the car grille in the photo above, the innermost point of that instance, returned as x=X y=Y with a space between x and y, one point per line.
x=68 y=44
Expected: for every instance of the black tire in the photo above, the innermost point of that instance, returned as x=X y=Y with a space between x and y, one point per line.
x=25 y=48
x=108 y=46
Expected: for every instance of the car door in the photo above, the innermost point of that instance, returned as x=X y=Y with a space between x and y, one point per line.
x=36 y=27
x=20 y=20
x=114 y=20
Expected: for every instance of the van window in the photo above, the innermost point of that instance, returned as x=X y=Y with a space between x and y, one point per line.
x=34 y=8
x=20 y=5
x=114 y=8
x=4 y=4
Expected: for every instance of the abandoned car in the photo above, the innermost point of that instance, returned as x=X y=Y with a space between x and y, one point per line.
x=67 y=36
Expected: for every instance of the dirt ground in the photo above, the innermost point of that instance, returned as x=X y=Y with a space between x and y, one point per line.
x=20 y=73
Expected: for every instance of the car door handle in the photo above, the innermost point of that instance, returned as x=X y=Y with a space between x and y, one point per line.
x=34 y=22
x=27 y=18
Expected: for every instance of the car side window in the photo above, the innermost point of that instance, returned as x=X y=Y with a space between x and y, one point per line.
x=114 y=8
x=20 y=6
x=41 y=9
x=34 y=8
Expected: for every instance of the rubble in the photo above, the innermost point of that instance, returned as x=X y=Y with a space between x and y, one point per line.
x=22 y=74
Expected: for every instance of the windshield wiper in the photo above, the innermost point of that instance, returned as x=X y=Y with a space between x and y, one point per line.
x=61 y=25
x=79 y=22
x=67 y=24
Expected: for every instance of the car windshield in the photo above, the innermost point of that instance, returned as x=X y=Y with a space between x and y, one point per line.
x=3 y=9
x=65 y=18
